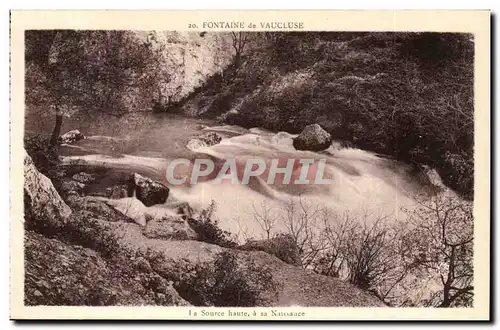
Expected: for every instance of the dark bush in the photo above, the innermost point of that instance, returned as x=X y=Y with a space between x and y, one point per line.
x=44 y=156
x=208 y=230
x=225 y=283
x=281 y=245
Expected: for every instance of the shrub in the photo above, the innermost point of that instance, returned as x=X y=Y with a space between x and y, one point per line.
x=89 y=232
x=44 y=155
x=225 y=283
x=208 y=229
x=281 y=245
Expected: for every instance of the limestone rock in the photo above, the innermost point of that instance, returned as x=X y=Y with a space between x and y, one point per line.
x=71 y=137
x=42 y=202
x=313 y=138
x=148 y=191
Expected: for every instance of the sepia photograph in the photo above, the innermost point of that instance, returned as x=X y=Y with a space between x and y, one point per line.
x=273 y=168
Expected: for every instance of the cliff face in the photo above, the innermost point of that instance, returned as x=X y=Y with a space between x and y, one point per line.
x=93 y=72
x=187 y=58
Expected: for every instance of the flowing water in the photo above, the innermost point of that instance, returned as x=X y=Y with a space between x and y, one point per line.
x=361 y=182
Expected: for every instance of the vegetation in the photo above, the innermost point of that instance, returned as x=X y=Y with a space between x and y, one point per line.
x=426 y=260
x=43 y=154
x=409 y=95
x=208 y=230
x=93 y=71
x=227 y=284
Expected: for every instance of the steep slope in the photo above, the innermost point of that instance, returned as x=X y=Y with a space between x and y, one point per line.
x=407 y=95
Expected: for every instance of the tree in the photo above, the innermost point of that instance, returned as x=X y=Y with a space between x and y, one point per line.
x=443 y=237
x=265 y=217
x=239 y=41
x=95 y=71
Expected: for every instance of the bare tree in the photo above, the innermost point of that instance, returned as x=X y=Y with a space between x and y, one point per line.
x=265 y=217
x=443 y=237
x=302 y=221
x=239 y=41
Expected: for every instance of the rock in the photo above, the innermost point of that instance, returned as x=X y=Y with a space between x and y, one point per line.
x=283 y=246
x=83 y=177
x=95 y=205
x=43 y=204
x=71 y=137
x=169 y=228
x=115 y=278
x=148 y=191
x=70 y=187
x=205 y=140
x=231 y=117
x=211 y=138
x=132 y=208
x=313 y=138
x=185 y=210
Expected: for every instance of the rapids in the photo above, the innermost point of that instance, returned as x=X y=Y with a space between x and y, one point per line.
x=362 y=182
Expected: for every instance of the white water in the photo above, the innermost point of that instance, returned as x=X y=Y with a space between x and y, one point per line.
x=362 y=182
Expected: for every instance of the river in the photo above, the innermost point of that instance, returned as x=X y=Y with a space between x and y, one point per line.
x=362 y=183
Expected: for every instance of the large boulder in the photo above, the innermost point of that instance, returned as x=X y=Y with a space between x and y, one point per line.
x=313 y=138
x=147 y=191
x=43 y=204
x=282 y=246
x=71 y=137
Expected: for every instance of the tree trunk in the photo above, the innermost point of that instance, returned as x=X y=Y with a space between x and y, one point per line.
x=57 y=129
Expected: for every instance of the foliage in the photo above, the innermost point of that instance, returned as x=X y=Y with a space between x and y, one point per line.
x=281 y=245
x=225 y=283
x=409 y=95
x=109 y=71
x=443 y=238
x=208 y=229
x=44 y=155
x=426 y=260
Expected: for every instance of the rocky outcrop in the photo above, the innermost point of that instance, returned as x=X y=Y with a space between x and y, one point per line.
x=204 y=140
x=188 y=58
x=43 y=204
x=313 y=138
x=98 y=256
x=71 y=137
x=283 y=246
x=146 y=190
x=59 y=274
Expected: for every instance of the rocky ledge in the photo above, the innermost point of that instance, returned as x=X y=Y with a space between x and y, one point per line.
x=81 y=250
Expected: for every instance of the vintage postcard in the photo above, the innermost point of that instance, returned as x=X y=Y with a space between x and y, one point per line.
x=250 y=165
